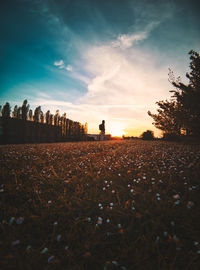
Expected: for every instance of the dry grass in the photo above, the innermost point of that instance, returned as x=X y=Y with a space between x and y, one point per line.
x=100 y=205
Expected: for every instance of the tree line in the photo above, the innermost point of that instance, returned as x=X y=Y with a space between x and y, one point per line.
x=22 y=121
x=181 y=114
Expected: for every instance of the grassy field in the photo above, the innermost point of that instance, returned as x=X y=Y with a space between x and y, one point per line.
x=100 y=205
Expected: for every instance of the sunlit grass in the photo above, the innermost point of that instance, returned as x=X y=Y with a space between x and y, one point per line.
x=100 y=205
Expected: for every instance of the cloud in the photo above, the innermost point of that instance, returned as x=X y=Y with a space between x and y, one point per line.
x=68 y=68
x=126 y=41
x=59 y=64
x=125 y=82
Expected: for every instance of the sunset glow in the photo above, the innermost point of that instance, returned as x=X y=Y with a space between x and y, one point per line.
x=116 y=129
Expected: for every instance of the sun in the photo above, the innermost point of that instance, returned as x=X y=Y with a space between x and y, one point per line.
x=116 y=129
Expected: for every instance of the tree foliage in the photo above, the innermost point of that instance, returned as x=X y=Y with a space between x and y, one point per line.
x=182 y=113
x=6 y=110
x=70 y=130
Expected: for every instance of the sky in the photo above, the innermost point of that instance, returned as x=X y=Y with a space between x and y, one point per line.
x=96 y=59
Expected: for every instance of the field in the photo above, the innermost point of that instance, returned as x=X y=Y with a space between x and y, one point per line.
x=100 y=205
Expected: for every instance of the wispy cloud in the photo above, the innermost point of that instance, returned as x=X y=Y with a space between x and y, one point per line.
x=126 y=41
x=59 y=64
x=69 y=68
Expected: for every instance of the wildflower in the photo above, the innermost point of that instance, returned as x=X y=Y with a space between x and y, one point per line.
x=157 y=239
x=58 y=237
x=99 y=221
x=45 y=250
x=86 y=254
x=113 y=191
x=20 y=220
x=28 y=248
x=108 y=220
x=16 y=242
x=89 y=219
x=175 y=238
x=176 y=196
x=11 y=220
x=190 y=204
x=131 y=190
x=50 y=259
x=177 y=202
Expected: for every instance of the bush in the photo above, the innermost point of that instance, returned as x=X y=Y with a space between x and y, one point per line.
x=147 y=135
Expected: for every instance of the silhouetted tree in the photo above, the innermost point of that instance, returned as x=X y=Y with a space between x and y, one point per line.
x=147 y=135
x=36 y=116
x=25 y=109
x=182 y=113
x=41 y=117
x=188 y=95
x=30 y=115
x=6 y=110
x=51 y=117
x=56 y=118
x=19 y=113
x=14 y=113
x=47 y=117
x=168 y=117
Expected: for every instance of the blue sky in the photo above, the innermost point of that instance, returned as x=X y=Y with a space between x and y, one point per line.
x=95 y=59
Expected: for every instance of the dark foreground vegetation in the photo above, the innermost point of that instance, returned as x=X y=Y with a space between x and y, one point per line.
x=100 y=205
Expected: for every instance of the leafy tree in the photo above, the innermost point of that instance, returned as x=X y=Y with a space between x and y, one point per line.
x=168 y=117
x=51 y=119
x=25 y=109
x=41 y=117
x=6 y=110
x=182 y=113
x=147 y=135
x=36 y=116
x=30 y=115
x=19 y=112
x=188 y=95
x=14 y=113
x=47 y=117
